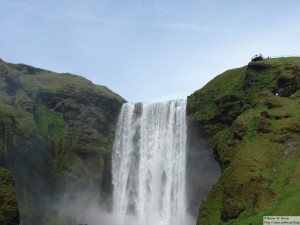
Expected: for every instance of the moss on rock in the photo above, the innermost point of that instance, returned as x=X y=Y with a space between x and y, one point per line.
x=9 y=213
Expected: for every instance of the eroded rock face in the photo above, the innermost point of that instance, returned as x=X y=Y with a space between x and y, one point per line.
x=230 y=211
x=9 y=213
x=232 y=206
x=288 y=85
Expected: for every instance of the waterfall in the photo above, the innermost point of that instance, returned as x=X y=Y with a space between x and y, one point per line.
x=149 y=164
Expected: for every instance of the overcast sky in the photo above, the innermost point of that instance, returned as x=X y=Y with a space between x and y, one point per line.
x=147 y=50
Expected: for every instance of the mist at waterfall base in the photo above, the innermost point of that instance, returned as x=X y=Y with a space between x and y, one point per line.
x=153 y=184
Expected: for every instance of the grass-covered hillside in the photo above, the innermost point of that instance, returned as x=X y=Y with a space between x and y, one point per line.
x=56 y=134
x=251 y=117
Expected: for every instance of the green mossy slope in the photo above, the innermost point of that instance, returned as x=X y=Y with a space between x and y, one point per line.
x=56 y=134
x=251 y=116
x=9 y=213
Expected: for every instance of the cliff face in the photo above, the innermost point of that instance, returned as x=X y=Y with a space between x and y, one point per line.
x=56 y=134
x=251 y=119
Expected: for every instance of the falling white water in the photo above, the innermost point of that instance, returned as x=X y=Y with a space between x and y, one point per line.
x=148 y=164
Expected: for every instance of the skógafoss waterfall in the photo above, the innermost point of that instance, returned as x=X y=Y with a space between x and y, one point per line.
x=149 y=164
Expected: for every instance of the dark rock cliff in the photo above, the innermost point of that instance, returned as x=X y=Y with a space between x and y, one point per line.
x=250 y=118
x=56 y=134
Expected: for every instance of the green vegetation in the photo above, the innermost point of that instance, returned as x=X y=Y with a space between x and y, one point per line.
x=56 y=130
x=252 y=117
x=9 y=214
